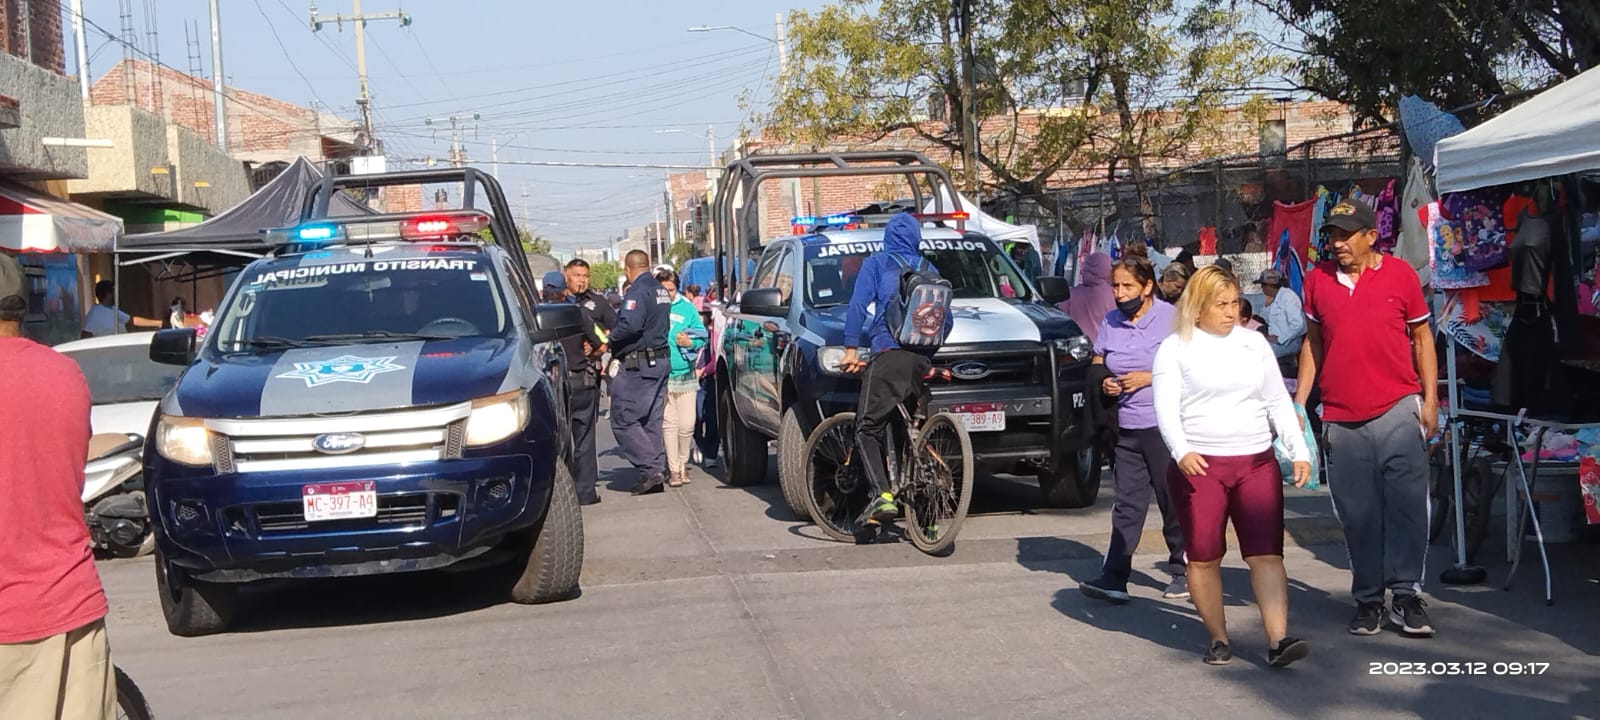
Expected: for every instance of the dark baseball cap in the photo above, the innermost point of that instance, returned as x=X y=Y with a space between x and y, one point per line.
x=1271 y=277
x=1351 y=216
x=13 y=285
x=554 y=280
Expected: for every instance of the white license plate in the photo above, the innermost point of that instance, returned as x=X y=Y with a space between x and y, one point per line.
x=339 y=501
x=981 y=417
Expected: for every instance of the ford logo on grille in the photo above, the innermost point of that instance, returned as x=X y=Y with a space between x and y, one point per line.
x=970 y=370
x=339 y=443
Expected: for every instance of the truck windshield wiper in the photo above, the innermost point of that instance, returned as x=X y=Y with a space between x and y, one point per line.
x=269 y=342
x=374 y=335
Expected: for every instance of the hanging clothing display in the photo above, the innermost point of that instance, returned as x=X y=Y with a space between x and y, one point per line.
x=1481 y=330
x=1414 y=245
x=1386 y=207
x=1447 y=250
x=1529 y=374
x=1480 y=217
x=1291 y=225
x=1208 y=240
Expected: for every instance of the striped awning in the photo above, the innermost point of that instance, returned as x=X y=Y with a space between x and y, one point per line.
x=31 y=221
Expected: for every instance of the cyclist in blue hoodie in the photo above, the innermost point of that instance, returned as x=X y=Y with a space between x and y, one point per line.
x=893 y=374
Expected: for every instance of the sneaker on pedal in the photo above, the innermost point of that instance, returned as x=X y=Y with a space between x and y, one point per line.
x=1406 y=613
x=881 y=511
x=1368 y=619
x=1105 y=588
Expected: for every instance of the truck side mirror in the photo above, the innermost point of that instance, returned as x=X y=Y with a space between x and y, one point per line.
x=173 y=347
x=555 y=321
x=1054 y=289
x=766 y=302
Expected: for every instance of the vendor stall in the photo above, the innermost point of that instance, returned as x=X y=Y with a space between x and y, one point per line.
x=1508 y=245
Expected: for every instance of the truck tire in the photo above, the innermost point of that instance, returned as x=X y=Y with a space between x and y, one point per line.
x=193 y=608
x=1073 y=481
x=555 y=559
x=745 y=449
x=792 y=464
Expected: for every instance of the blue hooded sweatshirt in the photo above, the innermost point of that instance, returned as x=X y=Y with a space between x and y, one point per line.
x=879 y=281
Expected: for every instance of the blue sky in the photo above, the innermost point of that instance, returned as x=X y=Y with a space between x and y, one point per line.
x=569 y=82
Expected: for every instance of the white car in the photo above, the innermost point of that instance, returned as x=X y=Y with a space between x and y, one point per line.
x=125 y=385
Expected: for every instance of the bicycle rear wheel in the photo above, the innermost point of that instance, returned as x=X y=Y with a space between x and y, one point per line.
x=939 y=488
x=835 y=484
x=131 y=704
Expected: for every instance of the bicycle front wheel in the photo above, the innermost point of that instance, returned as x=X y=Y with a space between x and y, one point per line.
x=835 y=483
x=939 y=484
x=131 y=704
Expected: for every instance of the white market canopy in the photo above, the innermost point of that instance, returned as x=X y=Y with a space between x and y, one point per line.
x=1000 y=231
x=1555 y=133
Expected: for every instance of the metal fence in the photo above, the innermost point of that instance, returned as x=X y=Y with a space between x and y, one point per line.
x=1234 y=195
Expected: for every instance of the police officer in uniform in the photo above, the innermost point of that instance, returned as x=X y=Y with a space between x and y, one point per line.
x=640 y=361
x=583 y=390
x=604 y=315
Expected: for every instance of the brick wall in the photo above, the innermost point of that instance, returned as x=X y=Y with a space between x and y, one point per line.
x=402 y=198
x=256 y=123
x=42 y=28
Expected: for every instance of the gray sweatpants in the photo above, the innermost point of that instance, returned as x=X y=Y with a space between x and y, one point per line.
x=1378 y=479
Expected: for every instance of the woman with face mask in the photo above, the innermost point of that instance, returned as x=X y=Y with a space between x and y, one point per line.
x=1219 y=399
x=687 y=335
x=1126 y=345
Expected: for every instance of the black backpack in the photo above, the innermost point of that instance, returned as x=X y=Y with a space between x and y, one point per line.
x=916 y=317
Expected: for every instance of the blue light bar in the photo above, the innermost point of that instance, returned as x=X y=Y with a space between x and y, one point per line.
x=312 y=233
x=828 y=221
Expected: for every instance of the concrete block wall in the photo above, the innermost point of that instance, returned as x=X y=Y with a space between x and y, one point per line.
x=195 y=159
x=139 y=144
x=49 y=106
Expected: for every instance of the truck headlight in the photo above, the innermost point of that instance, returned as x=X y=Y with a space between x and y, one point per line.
x=496 y=418
x=1073 y=350
x=831 y=357
x=183 y=440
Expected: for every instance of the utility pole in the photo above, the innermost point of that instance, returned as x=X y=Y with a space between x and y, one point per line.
x=711 y=147
x=783 y=45
x=494 y=154
x=82 y=48
x=356 y=18
x=218 y=107
x=672 y=232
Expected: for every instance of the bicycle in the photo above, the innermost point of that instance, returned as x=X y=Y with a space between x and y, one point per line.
x=131 y=704
x=1481 y=441
x=931 y=478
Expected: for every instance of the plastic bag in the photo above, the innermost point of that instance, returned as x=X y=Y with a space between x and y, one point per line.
x=1286 y=466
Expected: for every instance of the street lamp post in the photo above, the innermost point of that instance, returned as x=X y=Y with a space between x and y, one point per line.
x=782 y=41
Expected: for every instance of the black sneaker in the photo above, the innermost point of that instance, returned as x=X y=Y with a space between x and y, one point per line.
x=1406 y=613
x=1178 y=589
x=590 y=500
x=1219 y=654
x=650 y=483
x=1105 y=588
x=1288 y=650
x=1368 y=619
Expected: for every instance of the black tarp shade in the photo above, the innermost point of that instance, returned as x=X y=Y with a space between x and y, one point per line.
x=236 y=232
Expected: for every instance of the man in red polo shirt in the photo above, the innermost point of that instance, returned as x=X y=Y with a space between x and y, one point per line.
x=54 y=659
x=1380 y=403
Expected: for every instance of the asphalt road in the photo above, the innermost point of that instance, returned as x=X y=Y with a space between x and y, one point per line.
x=712 y=602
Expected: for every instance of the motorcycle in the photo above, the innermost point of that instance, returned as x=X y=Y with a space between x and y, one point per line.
x=113 y=498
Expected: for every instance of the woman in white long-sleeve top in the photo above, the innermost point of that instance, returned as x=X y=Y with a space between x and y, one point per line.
x=1219 y=396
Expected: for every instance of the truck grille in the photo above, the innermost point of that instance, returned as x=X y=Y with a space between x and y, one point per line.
x=394 y=511
x=1014 y=363
x=278 y=444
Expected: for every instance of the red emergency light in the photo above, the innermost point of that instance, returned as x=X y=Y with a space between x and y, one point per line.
x=425 y=227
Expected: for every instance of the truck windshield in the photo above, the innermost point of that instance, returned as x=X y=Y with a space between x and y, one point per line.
x=334 y=300
x=975 y=269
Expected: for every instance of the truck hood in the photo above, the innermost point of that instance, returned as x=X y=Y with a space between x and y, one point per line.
x=342 y=378
x=980 y=320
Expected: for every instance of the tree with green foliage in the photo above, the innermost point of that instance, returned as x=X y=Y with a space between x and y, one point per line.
x=532 y=244
x=1061 y=85
x=603 y=275
x=1368 y=53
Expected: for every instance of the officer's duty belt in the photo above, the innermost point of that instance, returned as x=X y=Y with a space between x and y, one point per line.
x=636 y=358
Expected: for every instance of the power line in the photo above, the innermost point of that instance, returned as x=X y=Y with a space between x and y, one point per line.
x=287 y=56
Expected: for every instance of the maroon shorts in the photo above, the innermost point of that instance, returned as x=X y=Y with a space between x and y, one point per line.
x=1246 y=488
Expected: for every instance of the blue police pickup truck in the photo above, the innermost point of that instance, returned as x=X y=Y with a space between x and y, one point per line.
x=1016 y=363
x=379 y=394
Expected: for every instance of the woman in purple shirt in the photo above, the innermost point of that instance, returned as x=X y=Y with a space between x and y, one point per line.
x=1126 y=345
